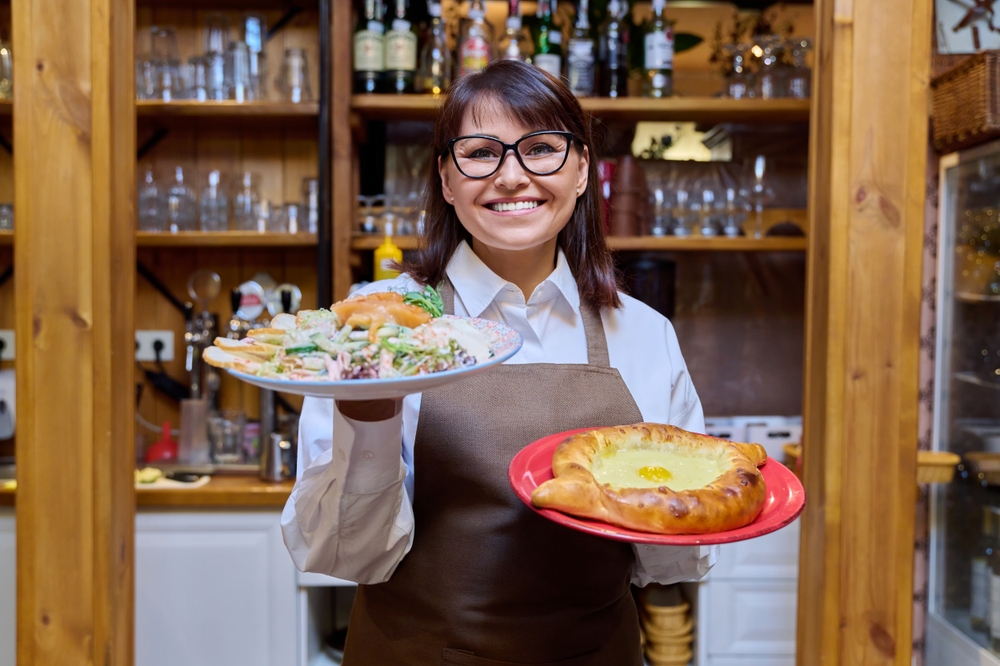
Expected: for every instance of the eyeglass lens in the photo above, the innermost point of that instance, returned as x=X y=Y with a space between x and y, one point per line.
x=540 y=154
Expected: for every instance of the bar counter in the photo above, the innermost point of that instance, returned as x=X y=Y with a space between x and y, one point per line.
x=222 y=491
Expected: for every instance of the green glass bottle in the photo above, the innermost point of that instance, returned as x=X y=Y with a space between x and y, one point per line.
x=658 y=54
x=548 y=40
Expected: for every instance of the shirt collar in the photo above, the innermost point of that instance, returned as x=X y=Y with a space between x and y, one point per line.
x=478 y=286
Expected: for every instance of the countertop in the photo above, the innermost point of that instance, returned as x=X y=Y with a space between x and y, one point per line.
x=222 y=491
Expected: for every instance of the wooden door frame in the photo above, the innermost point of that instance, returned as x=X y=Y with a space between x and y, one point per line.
x=866 y=208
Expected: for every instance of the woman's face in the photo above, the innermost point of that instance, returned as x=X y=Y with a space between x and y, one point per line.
x=476 y=201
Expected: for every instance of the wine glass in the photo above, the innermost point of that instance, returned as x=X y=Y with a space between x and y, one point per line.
x=769 y=82
x=739 y=81
x=368 y=223
x=759 y=191
x=800 y=78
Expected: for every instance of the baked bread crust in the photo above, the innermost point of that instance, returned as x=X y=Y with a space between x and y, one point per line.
x=731 y=501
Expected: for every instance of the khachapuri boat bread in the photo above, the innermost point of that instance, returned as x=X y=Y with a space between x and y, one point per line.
x=656 y=478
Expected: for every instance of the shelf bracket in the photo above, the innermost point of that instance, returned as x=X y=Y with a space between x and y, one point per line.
x=282 y=22
x=184 y=308
x=157 y=137
x=6 y=275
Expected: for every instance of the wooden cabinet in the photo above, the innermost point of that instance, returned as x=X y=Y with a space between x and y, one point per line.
x=213 y=589
x=8 y=588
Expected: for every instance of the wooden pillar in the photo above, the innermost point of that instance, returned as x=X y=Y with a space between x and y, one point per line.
x=74 y=162
x=867 y=171
x=343 y=190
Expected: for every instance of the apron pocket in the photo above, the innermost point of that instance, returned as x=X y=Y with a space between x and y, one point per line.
x=465 y=658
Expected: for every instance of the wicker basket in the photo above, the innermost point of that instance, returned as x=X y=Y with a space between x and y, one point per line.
x=936 y=466
x=965 y=102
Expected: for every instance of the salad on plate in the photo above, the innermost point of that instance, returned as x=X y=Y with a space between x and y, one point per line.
x=383 y=335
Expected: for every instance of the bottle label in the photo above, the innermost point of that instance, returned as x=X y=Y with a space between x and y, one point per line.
x=400 y=50
x=660 y=49
x=994 y=602
x=981 y=574
x=581 y=66
x=474 y=55
x=549 y=62
x=369 y=51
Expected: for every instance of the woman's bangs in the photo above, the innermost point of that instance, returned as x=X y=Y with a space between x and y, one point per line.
x=525 y=110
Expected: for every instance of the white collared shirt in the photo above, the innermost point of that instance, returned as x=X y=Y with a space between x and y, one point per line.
x=350 y=513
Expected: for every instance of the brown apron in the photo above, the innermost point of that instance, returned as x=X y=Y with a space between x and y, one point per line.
x=488 y=582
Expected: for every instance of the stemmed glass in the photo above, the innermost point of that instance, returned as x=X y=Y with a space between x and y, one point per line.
x=770 y=80
x=661 y=206
x=759 y=191
x=368 y=222
x=735 y=213
x=685 y=213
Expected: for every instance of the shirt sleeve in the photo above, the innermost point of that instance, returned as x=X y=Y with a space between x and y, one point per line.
x=349 y=514
x=668 y=564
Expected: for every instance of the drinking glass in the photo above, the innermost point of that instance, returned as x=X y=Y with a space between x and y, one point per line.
x=167 y=84
x=7 y=216
x=214 y=205
x=735 y=213
x=237 y=73
x=769 y=83
x=292 y=215
x=711 y=212
x=145 y=77
x=225 y=435
x=739 y=81
x=310 y=202
x=180 y=204
x=368 y=223
x=217 y=30
x=255 y=36
x=759 y=190
x=661 y=206
x=800 y=78
x=197 y=79
x=685 y=213
x=150 y=212
x=295 y=77
x=271 y=218
x=246 y=201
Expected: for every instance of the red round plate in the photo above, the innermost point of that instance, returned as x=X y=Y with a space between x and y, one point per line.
x=785 y=500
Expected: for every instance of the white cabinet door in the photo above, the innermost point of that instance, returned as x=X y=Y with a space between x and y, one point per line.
x=213 y=589
x=8 y=588
x=775 y=555
x=751 y=617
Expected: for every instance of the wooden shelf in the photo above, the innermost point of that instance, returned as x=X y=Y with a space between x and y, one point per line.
x=661 y=243
x=6 y=107
x=191 y=239
x=633 y=109
x=6 y=237
x=186 y=108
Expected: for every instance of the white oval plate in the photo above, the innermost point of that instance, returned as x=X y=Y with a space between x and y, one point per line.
x=504 y=341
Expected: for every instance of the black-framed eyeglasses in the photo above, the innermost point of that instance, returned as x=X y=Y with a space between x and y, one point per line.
x=540 y=153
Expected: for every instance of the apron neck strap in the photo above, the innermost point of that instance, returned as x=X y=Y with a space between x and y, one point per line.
x=593 y=327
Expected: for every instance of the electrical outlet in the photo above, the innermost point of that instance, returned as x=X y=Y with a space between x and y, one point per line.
x=145 y=349
x=7 y=337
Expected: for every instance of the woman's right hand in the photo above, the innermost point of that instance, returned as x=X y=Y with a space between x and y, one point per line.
x=370 y=410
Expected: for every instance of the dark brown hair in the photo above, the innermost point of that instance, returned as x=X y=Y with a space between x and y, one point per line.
x=539 y=102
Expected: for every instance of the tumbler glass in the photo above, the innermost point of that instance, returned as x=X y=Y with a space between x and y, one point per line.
x=295 y=77
x=217 y=29
x=800 y=78
x=246 y=201
x=167 y=85
x=225 y=436
x=255 y=36
x=291 y=213
x=180 y=204
x=770 y=79
x=310 y=202
x=237 y=73
x=739 y=81
x=214 y=204
x=197 y=79
x=7 y=216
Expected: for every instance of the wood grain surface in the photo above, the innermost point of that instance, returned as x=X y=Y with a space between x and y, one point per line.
x=233 y=492
x=869 y=144
x=75 y=131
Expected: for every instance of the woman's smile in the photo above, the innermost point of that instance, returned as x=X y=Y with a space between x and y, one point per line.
x=508 y=207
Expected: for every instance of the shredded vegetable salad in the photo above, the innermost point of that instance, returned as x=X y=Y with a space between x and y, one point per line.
x=378 y=336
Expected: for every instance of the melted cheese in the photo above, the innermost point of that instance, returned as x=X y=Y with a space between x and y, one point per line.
x=642 y=468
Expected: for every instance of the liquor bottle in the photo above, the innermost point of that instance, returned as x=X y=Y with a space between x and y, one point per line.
x=979 y=610
x=658 y=51
x=475 y=42
x=514 y=43
x=400 y=50
x=613 y=51
x=434 y=75
x=548 y=41
x=369 y=48
x=581 y=58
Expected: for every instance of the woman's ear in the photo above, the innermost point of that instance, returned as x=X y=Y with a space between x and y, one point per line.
x=449 y=196
x=583 y=171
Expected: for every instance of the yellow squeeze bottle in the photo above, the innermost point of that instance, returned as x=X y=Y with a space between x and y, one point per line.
x=386 y=255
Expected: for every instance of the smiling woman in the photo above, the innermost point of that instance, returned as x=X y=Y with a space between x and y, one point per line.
x=514 y=109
